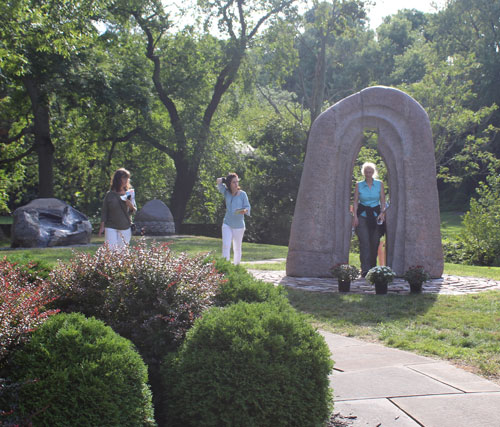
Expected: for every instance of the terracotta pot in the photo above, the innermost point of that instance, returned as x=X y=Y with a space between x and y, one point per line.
x=381 y=288
x=344 y=285
x=415 y=287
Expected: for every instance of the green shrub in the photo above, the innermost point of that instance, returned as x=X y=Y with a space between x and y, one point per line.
x=479 y=242
x=78 y=372
x=240 y=285
x=257 y=364
x=146 y=294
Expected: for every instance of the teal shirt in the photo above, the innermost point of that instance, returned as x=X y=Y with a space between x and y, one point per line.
x=369 y=196
x=233 y=204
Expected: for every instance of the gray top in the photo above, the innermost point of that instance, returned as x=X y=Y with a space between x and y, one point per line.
x=115 y=213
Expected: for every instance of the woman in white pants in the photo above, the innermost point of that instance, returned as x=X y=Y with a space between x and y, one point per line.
x=237 y=206
x=117 y=208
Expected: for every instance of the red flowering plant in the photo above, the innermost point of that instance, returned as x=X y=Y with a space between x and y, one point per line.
x=24 y=299
x=416 y=275
x=23 y=305
x=145 y=293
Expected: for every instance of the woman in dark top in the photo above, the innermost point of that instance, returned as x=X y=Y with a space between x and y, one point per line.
x=117 y=208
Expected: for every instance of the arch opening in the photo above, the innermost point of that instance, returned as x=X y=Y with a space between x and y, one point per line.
x=369 y=152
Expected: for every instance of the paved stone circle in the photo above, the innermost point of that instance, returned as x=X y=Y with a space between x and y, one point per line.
x=447 y=285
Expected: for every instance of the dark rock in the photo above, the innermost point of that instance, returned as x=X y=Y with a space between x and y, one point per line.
x=49 y=222
x=154 y=219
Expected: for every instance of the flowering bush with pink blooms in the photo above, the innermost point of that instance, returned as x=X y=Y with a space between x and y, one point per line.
x=23 y=301
x=145 y=293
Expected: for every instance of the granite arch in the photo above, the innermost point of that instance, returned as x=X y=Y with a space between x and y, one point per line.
x=321 y=227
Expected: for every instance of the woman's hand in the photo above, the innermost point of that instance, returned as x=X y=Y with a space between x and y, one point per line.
x=101 y=229
x=130 y=205
x=242 y=211
x=381 y=217
x=219 y=180
x=355 y=221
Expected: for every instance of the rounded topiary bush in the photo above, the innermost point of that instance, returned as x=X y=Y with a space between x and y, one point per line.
x=249 y=364
x=240 y=285
x=76 y=371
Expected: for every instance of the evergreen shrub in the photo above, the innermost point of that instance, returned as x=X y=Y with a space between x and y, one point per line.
x=76 y=371
x=145 y=293
x=249 y=364
x=240 y=285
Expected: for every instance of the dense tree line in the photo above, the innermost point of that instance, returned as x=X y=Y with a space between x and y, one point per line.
x=180 y=97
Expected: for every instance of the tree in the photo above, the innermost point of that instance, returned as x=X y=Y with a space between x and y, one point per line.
x=462 y=140
x=471 y=26
x=324 y=24
x=191 y=74
x=39 y=41
x=396 y=35
x=273 y=178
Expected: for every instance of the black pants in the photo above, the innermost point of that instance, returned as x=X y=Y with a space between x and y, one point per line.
x=368 y=244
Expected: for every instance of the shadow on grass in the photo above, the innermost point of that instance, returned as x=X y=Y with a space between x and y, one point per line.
x=338 y=309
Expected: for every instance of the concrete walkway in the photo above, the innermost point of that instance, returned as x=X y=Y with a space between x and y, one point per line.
x=378 y=386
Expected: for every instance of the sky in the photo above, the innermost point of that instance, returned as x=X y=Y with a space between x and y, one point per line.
x=383 y=8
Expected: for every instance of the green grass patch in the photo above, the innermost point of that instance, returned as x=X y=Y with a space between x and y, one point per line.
x=464 y=329
x=271 y=266
x=472 y=271
x=190 y=244
x=451 y=225
x=6 y=220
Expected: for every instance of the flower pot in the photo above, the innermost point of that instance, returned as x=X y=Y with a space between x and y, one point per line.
x=415 y=287
x=344 y=285
x=381 y=288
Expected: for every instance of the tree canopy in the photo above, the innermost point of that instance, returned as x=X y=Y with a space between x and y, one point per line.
x=180 y=96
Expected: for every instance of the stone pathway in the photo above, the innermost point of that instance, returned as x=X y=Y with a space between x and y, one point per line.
x=447 y=285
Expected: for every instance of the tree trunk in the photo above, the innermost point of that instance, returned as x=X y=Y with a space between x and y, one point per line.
x=43 y=142
x=183 y=187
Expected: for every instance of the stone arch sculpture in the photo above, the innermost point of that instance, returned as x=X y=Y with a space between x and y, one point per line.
x=321 y=228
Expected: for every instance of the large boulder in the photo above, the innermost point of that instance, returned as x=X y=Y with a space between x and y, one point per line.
x=154 y=219
x=49 y=222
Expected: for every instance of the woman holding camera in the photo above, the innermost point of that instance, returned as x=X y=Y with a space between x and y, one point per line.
x=117 y=208
x=237 y=206
x=369 y=196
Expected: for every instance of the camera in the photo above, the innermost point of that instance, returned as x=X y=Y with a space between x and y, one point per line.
x=129 y=197
x=224 y=180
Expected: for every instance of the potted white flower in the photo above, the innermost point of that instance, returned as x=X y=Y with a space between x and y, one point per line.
x=380 y=276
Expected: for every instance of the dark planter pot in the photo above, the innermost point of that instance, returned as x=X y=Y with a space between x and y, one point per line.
x=416 y=288
x=344 y=285
x=381 y=288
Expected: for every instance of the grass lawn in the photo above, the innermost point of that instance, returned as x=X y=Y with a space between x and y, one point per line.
x=463 y=329
x=190 y=244
x=451 y=224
